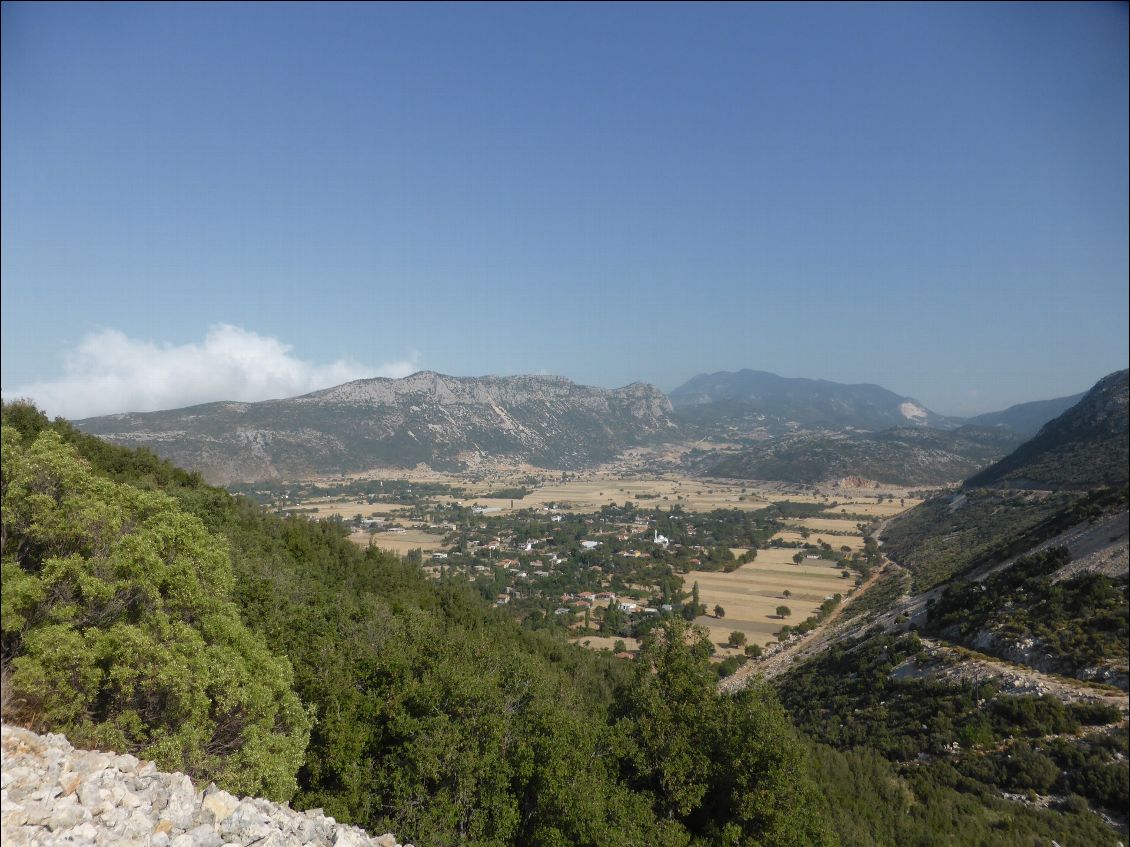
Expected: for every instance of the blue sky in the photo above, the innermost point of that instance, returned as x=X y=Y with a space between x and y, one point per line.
x=207 y=201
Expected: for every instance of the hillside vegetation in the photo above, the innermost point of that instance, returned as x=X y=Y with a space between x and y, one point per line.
x=1077 y=627
x=119 y=627
x=1074 y=471
x=917 y=761
x=898 y=456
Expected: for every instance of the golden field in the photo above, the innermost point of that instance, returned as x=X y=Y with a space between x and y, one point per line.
x=328 y=507
x=399 y=542
x=751 y=594
x=604 y=642
x=817 y=525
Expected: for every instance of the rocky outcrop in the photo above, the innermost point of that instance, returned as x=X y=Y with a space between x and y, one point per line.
x=441 y=421
x=52 y=794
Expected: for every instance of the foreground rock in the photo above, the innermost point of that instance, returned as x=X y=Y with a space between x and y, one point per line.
x=53 y=794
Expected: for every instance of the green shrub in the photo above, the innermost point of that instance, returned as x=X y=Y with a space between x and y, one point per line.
x=119 y=628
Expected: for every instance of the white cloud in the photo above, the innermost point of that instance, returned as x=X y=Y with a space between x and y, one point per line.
x=110 y=372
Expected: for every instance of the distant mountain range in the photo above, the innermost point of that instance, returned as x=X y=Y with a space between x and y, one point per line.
x=762 y=399
x=445 y=422
x=817 y=430
x=1027 y=418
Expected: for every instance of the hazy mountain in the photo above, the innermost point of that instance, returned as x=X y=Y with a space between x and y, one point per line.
x=445 y=422
x=1085 y=447
x=1027 y=418
x=758 y=398
x=899 y=456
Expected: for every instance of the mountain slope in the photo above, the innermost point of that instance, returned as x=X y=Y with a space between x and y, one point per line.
x=445 y=422
x=1083 y=448
x=898 y=456
x=1073 y=471
x=758 y=396
x=1010 y=584
x=1027 y=418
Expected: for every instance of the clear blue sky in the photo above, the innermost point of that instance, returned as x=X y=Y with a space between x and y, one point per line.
x=930 y=197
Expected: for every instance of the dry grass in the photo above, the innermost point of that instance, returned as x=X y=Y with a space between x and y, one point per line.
x=399 y=542
x=825 y=524
x=589 y=493
x=327 y=508
x=853 y=542
x=604 y=642
x=879 y=510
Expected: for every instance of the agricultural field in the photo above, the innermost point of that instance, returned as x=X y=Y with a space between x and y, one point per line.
x=604 y=642
x=868 y=506
x=399 y=542
x=788 y=536
x=751 y=594
x=588 y=494
x=818 y=525
x=328 y=508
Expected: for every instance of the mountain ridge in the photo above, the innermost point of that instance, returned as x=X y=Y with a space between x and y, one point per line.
x=896 y=456
x=1082 y=448
x=777 y=400
x=1027 y=418
x=446 y=422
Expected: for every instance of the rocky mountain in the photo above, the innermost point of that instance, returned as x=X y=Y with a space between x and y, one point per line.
x=904 y=455
x=1085 y=447
x=749 y=399
x=1027 y=418
x=443 y=421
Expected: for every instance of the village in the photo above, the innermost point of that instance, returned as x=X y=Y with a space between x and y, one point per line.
x=751 y=566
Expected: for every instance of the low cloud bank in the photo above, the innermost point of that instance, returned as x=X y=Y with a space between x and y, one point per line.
x=109 y=372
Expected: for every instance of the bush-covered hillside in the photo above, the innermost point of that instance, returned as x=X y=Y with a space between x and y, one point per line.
x=913 y=761
x=952 y=534
x=1076 y=626
x=120 y=629
x=898 y=456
